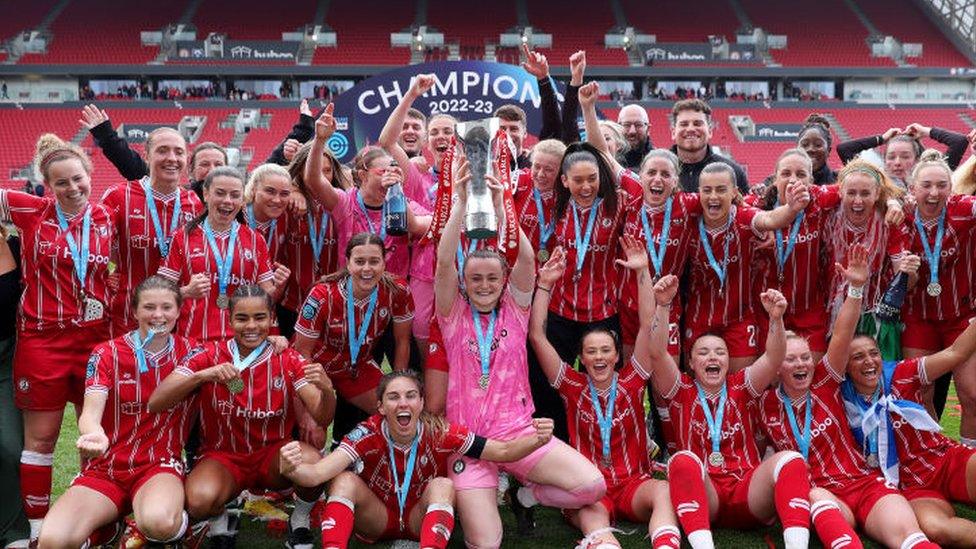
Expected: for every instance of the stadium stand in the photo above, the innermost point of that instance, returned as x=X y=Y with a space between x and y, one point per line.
x=568 y=35
x=710 y=17
x=471 y=33
x=362 y=39
x=260 y=21
x=903 y=20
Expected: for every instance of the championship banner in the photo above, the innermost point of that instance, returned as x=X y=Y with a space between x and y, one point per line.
x=467 y=90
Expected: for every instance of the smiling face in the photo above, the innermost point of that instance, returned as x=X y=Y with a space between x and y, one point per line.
x=859 y=194
x=544 y=169
x=271 y=196
x=156 y=311
x=598 y=354
x=796 y=371
x=167 y=158
x=206 y=160
x=251 y=320
x=412 y=138
x=365 y=264
x=224 y=198
x=659 y=179
x=484 y=280
x=582 y=179
x=634 y=120
x=790 y=170
x=814 y=144
x=716 y=192
x=931 y=189
x=864 y=364
x=691 y=132
x=401 y=405
x=710 y=361
x=70 y=183
x=440 y=130
x=899 y=159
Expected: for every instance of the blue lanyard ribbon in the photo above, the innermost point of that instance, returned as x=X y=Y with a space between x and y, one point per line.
x=484 y=338
x=224 y=262
x=802 y=439
x=933 y=252
x=139 y=347
x=783 y=252
x=583 y=244
x=545 y=229
x=162 y=239
x=369 y=222
x=358 y=336
x=410 y=461
x=721 y=269
x=317 y=238
x=78 y=256
x=714 y=422
x=657 y=252
x=242 y=364
x=604 y=419
x=252 y=222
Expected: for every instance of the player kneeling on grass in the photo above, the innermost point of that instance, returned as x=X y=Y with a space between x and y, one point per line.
x=246 y=389
x=401 y=457
x=131 y=458
x=605 y=411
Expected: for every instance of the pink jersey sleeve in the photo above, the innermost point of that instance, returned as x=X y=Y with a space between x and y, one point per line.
x=311 y=319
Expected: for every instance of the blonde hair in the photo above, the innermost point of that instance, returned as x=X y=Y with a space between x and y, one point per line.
x=964 y=178
x=50 y=149
x=552 y=147
x=886 y=189
x=259 y=175
x=930 y=158
x=617 y=133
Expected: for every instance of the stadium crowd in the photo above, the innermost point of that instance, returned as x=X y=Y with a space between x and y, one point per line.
x=210 y=327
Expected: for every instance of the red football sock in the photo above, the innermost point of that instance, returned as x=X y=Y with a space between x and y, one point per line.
x=103 y=534
x=791 y=491
x=687 y=487
x=666 y=537
x=337 y=523
x=918 y=540
x=436 y=528
x=35 y=483
x=833 y=530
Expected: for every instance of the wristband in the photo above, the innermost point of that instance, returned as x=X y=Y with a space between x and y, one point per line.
x=544 y=289
x=855 y=292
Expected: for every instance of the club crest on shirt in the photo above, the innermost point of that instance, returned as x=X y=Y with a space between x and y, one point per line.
x=278 y=382
x=92 y=365
x=140 y=242
x=383 y=312
x=458 y=467
x=23 y=385
x=248 y=255
x=606 y=222
x=357 y=433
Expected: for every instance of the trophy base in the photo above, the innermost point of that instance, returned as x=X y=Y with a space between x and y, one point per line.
x=480 y=225
x=480 y=234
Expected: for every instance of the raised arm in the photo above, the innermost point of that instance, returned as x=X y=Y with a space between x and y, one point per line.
x=325 y=126
x=301 y=132
x=128 y=162
x=445 y=273
x=763 y=370
x=311 y=474
x=797 y=198
x=549 y=274
x=537 y=65
x=518 y=448
x=847 y=150
x=956 y=143
x=394 y=124
x=594 y=135
x=842 y=333
x=664 y=370
x=570 y=126
x=636 y=261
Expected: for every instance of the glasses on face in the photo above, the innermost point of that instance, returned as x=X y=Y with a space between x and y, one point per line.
x=634 y=125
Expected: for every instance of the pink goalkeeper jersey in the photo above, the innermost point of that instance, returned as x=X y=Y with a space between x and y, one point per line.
x=504 y=408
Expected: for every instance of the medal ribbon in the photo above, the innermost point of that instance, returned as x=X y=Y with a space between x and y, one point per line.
x=934 y=251
x=545 y=229
x=472 y=245
x=358 y=336
x=139 y=347
x=410 y=461
x=317 y=239
x=802 y=439
x=252 y=222
x=783 y=252
x=714 y=423
x=484 y=338
x=162 y=240
x=224 y=262
x=369 y=222
x=241 y=364
x=583 y=245
x=720 y=269
x=657 y=252
x=605 y=420
x=78 y=257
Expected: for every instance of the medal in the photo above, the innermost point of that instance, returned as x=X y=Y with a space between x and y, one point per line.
x=162 y=241
x=224 y=263
x=714 y=423
x=223 y=302
x=485 y=339
x=545 y=229
x=235 y=386
x=543 y=255
x=715 y=459
x=93 y=309
x=483 y=381
x=583 y=244
x=873 y=461
x=932 y=252
x=606 y=461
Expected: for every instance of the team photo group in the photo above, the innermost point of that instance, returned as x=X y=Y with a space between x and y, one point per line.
x=467 y=321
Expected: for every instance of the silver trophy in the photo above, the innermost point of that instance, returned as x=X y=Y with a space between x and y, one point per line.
x=477 y=137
